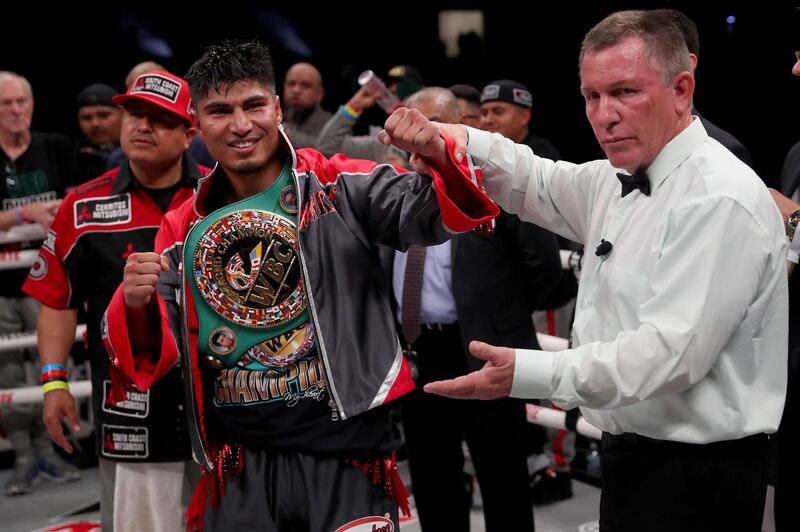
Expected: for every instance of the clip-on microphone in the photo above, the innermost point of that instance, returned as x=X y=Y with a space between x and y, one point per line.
x=604 y=248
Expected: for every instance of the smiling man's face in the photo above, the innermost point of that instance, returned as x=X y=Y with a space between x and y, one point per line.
x=239 y=124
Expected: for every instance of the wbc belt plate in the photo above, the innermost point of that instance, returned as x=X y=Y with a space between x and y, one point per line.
x=247 y=269
x=283 y=349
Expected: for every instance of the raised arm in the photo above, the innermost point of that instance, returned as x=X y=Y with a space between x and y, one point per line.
x=554 y=195
x=409 y=130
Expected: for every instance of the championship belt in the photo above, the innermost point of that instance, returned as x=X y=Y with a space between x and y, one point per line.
x=247 y=269
x=248 y=286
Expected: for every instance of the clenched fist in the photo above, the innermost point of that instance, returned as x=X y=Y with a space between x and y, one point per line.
x=140 y=278
x=409 y=130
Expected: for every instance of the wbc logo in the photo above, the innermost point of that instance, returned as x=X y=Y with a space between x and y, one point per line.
x=247 y=268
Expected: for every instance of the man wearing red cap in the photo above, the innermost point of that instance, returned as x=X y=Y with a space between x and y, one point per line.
x=142 y=440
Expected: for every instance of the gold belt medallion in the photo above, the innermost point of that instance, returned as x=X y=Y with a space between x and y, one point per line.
x=247 y=269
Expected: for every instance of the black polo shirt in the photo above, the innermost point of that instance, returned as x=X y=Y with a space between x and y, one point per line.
x=39 y=174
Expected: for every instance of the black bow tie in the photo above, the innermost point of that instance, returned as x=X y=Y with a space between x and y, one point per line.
x=632 y=182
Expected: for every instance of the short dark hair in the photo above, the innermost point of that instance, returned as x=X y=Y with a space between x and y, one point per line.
x=466 y=92
x=665 y=45
x=229 y=62
x=687 y=27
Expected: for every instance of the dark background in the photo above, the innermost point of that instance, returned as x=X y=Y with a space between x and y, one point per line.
x=744 y=85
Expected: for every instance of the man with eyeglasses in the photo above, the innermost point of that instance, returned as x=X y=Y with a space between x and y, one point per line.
x=33 y=168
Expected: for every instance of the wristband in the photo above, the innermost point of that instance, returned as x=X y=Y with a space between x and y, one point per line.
x=52 y=367
x=20 y=217
x=54 y=374
x=348 y=111
x=55 y=385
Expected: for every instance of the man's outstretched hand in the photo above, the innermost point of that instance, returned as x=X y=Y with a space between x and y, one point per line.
x=492 y=381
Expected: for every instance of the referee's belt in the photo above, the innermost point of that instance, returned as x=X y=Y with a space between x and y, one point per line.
x=746 y=444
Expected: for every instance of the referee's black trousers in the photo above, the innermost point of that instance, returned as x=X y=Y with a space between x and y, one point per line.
x=655 y=485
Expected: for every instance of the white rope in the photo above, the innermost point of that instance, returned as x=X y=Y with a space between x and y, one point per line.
x=22 y=233
x=18 y=260
x=556 y=418
x=24 y=259
x=565 y=255
x=33 y=394
x=10 y=342
x=571 y=261
x=539 y=415
x=552 y=343
x=549 y=417
x=27 y=340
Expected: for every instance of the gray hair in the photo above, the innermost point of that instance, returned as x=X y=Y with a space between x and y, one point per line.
x=444 y=100
x=7 y=74
x=665 y=46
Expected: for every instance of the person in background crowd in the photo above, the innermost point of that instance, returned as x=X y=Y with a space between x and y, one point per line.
x=34 y=168
x=304 y=116
x=99 y=121
x=469 y=100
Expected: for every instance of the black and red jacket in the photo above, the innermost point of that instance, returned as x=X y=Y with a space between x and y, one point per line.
x=81 y=263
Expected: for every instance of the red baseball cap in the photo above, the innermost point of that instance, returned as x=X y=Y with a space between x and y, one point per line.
x=163 y=89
